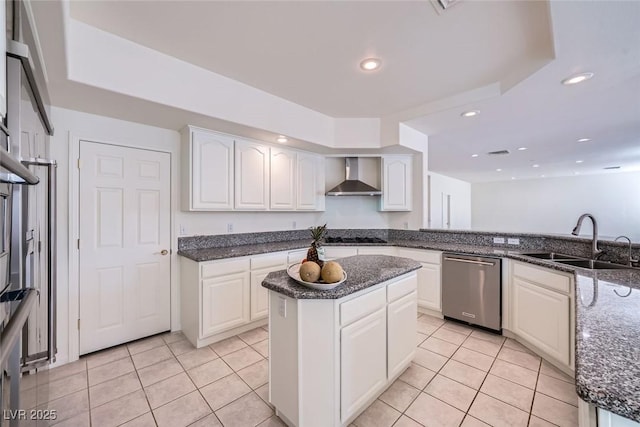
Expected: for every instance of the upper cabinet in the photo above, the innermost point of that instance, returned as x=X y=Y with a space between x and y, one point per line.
x=252 y=176
x=283 y=179
x=396 y=183
x=310 y=182
x=223 y=172
x=207 y=170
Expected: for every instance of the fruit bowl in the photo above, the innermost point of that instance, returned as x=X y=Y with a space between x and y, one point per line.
x=294 y=272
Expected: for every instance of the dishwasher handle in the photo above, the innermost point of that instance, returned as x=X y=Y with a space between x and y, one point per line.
x=469 y=261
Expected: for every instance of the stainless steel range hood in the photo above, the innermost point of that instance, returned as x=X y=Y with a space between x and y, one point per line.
x=352 y=186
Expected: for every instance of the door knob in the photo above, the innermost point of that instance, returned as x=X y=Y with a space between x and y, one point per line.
x=164 y=252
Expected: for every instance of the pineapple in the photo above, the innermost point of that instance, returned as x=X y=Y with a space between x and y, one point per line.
x=317 y=233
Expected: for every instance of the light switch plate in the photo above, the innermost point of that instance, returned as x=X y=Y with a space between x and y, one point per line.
x=498 y=240
x=282 y=307
x=513 y=241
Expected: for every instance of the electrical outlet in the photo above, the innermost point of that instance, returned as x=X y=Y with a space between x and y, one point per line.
x=295 y=224
x=230 y=227
x=513 y=241
x=499 y=240
x=183 y=230
x=282 y=307
x=406 y=225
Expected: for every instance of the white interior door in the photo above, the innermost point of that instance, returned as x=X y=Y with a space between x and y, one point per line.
x=124 y=244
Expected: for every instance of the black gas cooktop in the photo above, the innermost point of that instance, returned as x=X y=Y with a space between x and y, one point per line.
x=354 y=240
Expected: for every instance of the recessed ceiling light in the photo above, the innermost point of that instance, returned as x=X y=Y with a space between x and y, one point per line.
x=536 y=166
x=282 y=139
x=542 y=176
x=584 y=139
x=513 y=177
x=576 y=173
x=579 y=161
x=474 y=155
x=498 y=170
x=578 y=78
x=370 y=64
x=522 y=148
x=471 y=113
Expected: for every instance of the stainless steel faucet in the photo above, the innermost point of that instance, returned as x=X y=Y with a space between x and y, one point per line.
x=631 y=260
x=595 y=252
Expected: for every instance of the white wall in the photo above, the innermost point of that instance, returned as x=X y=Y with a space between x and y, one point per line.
x=553 y=205
x=460 y=202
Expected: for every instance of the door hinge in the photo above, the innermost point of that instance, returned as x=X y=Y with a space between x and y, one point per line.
x=79 y=163
x=78 y=243
x=78 y=324
x=39 y=246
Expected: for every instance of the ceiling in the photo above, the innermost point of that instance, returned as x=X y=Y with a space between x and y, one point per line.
x=308 y=52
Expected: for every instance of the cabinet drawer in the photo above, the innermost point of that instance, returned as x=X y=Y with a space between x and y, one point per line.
x=296 y=256
x=359 y=307
x=219 y=268
x=270 y=260
x=543 y=277
x=430 y=257
x=402 y=287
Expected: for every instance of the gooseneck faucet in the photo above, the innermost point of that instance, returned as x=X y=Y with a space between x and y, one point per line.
x=631 y=260
x=595 y=252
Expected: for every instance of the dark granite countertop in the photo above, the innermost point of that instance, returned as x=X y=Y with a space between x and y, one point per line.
x=607 y=325
x=363 y=271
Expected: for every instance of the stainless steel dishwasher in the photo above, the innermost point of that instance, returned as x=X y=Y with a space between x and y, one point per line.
x=471 y=289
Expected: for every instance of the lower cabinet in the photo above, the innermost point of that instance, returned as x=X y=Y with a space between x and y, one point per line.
x=541 y=311
x=330 y=359
x=363 y=361
x=225 y=302
x=224 y=297
x=401 y=326
x=429 y=277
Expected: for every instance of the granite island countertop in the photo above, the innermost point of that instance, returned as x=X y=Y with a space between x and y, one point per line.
x=363 y=271
x=607 y=325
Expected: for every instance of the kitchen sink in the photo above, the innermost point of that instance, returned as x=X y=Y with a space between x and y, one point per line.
x=592 y=265
x=552 y=256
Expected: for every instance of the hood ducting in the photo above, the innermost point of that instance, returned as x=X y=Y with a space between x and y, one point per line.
x=352 y=186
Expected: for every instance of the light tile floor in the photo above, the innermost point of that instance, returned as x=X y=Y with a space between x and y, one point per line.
x=460 y=376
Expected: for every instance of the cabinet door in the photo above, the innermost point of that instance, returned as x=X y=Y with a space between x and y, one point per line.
x=429 y=287
x=401 y=328
x=211 y=171
x=283 y=179
x=260 y=294
x=396 y=183
x=542 y=317
x=363 y=361
x=252 y=176
x=310 y=182
x=225 y=303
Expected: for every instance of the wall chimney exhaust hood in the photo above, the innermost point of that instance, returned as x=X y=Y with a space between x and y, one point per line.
x=352 y=186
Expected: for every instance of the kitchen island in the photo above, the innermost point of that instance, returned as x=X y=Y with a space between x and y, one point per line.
x=334 y=352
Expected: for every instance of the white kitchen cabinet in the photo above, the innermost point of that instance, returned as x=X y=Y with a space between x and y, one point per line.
x=363 y=361
x=541 y=313
x=208 y=170
x=225 y=297
x=401 y=324
x=609 y=419
x=283 y=179
x=330 y=358
x=251 y=176
x=429 y=277
x=225 y=302
x=310 y=182
x=261 y=265
x=397 y=178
